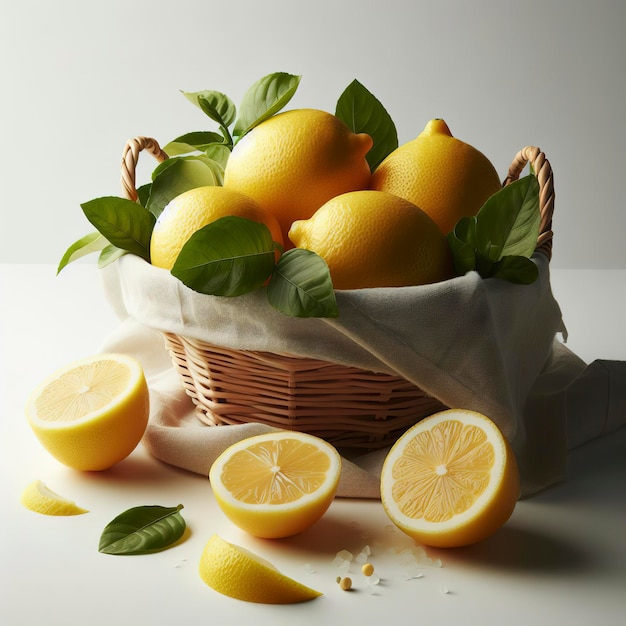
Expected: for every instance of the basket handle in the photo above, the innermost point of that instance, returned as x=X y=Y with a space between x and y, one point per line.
x=545 y=177
x=537 y=159
x=130 y=157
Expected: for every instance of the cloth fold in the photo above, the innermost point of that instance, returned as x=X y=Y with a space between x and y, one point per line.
x=486 y=345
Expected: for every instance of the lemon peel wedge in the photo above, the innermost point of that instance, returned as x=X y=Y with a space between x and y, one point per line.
x=238 y=573
x=38 y=497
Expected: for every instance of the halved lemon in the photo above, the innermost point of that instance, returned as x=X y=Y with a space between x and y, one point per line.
x=40 y=498
x=238 y=573
x=451 y=480
x=92 y=413
x=276 y=484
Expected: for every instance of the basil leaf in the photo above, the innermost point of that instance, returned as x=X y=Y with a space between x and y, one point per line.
x=179 y=174
x=359 y=109
x=122 y=222
x=93 y=242
x=228 y=257
x=509 y=221
x=143 y=530
x=189 y=142
x=301 y=286
x=265 y=98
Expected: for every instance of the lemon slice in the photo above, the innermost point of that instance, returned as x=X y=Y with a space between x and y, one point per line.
x=235 y=572
x=91 y=414
x=450 y=480
x=39 y=498
x=276 y=484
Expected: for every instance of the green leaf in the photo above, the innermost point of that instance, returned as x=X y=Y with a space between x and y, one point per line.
x=143 y=194
x=93 y=242
x=179 y=174
x=265 y=98
x=301 y=286
x=363 y=113
x=463 y=253
x=143 y=530
x=516 y=269
x=124 y=223
x=509 y=221
x=500 y=239
x=190 y=142
x=109 y=255
x=220 y=153
x=228 y=257
x=218 y=106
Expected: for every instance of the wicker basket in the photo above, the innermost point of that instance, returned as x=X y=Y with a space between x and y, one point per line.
x=350 y=407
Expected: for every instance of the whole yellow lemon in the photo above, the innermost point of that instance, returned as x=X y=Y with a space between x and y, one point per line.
x=446 y=177
x=295 y=161
x=375 y=239
x=192 y=210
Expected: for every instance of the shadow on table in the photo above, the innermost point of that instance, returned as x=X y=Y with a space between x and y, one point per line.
x=520 y=549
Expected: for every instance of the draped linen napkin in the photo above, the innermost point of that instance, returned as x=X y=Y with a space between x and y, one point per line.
x=486 y=345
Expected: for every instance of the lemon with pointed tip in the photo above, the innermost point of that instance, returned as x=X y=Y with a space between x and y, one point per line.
x=375 y=239
x=39 y=498
x=295 y=161
x=238 y=573
x=92 y=413
x=446 y=177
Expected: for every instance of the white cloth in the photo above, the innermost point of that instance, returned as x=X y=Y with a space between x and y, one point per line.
x=486 y=345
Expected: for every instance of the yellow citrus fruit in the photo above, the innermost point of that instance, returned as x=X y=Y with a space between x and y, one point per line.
x=192 y=210
x=235 y=572
x=91 y=414
x=375 y=239
x=446 y=177
x=451 y=480
x=276 y=484
x=295 y=161
x=39 y=498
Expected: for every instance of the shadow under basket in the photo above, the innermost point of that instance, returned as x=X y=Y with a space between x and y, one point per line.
x=347 y=406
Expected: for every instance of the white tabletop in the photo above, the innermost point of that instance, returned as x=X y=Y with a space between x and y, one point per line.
x=561 y=558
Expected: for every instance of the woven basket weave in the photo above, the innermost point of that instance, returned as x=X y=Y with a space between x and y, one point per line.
x=350 y=407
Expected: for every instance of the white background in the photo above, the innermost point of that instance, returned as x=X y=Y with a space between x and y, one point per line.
x=77 y=79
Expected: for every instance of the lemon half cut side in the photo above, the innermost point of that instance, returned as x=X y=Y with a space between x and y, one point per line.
x=276 y=484
x=92 y=413
x=451 y=480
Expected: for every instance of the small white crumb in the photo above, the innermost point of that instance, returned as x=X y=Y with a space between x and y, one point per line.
x=309 y=568
x=444 y=590
x=437 y=563
x=361 y=558
x=345 y=554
